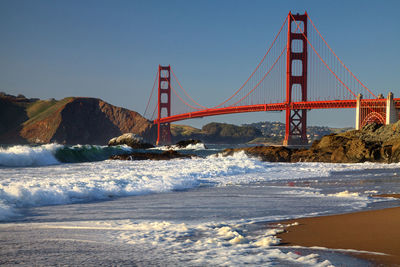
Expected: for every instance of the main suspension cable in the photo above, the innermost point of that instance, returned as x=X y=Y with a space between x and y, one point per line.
x=326 y=65
x=184 y=91
x=263 y=78
x=151 y=94
x=320 y=35
x=269 y=49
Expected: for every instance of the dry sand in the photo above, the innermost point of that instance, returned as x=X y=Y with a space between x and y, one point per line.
x=375 y=231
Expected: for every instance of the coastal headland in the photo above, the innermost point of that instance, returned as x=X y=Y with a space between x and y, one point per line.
x=72 y=120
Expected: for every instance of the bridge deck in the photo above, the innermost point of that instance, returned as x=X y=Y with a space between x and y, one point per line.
x=271 y=107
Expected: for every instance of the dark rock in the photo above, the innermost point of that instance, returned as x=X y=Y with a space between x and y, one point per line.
x=131 y=140
x=166 y=155
x=374 y=143
x=391 y=149
x=185 y=143
x=265 y=153
x=371 y=127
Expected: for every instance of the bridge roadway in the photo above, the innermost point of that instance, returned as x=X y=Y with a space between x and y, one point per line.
x=329 y=104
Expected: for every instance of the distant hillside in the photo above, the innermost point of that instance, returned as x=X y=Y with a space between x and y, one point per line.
x=261 y=132
x=72 y=120
x=274 y=132
x=221 y=133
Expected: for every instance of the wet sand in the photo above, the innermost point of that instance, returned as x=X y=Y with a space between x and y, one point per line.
x=374 y=231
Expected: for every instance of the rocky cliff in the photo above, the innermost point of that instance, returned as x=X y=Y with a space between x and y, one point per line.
x=374 y=143
x=73 y=120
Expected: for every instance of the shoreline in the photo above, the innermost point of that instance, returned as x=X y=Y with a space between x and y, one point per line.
x=372 y=231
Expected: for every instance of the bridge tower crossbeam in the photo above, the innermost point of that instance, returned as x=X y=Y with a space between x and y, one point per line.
x=296 y=120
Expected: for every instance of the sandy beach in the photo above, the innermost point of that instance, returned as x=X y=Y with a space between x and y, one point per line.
x=374 y=231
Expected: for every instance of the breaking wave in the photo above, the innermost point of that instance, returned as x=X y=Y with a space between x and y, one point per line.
x=53 y=154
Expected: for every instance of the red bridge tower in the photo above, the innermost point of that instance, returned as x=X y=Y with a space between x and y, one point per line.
x=164 y=104
x=296 y=79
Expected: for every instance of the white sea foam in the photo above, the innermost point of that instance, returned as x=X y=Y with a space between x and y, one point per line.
x=311 y=192
x=346 y=194
x=53 y=154
x=71 y=183
x=18 y=156
x=371 y=192
x=204 y=244
x=341 y=250
x=84 y=182
x=198 y=146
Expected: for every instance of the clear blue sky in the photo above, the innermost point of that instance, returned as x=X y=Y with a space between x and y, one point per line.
x=111 y=49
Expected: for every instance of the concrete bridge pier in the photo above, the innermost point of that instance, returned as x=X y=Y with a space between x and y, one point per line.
x=358 y=112
x=391 y=111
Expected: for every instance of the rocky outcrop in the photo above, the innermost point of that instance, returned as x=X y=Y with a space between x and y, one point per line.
x=130 y=139
x=265 y=153
x=185 y=143
x=374 y=143
x=73 y=120
x=166 y=155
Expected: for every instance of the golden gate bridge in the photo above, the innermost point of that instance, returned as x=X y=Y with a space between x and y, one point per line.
x=298 y=72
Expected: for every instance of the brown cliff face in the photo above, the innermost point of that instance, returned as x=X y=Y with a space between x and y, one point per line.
x=42 y=127
x=73 y=121
x=12 y=115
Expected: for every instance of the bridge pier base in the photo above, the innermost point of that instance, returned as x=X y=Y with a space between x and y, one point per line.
x=296 y=128
x=295 y=142
x=164 y=136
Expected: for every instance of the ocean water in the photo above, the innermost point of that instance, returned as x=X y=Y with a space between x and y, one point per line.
x=64 y=205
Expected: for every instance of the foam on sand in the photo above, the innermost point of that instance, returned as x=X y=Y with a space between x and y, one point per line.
x=211 y=244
